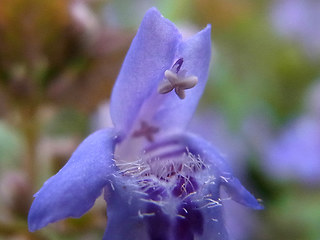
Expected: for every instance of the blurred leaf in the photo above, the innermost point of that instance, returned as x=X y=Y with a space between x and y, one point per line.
x=10 y=146
x=67 y=121
x=296 y=215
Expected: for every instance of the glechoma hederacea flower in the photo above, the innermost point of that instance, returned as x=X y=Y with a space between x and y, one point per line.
x=159 y=181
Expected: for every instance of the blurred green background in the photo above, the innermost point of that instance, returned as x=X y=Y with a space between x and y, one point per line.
x=60 y=58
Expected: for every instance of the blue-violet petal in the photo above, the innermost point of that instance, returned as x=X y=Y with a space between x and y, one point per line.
x=150 y=54
x=74 y=189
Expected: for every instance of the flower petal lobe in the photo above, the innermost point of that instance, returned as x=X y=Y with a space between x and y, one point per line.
x=150 y=54
x=74 y=189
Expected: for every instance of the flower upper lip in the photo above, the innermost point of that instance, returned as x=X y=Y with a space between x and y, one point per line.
x=135 y=94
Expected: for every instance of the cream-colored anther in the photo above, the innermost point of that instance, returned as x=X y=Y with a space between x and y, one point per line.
x=178 y=82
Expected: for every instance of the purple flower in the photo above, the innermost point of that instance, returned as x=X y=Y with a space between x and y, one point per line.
x=160 y=182
x=294 y=154
x=298 y=20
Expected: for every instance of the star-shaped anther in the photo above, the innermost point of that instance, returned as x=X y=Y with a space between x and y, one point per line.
x=146 y=131
x=177 y=81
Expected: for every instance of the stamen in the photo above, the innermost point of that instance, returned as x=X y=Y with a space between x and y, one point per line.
x=180 y=92
x=177 y=80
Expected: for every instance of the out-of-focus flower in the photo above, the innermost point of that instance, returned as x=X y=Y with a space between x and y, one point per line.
x=160 y=181
x=299 y=21
x=295 y=154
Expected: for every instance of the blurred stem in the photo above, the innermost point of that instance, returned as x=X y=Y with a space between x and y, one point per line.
x=30 y=130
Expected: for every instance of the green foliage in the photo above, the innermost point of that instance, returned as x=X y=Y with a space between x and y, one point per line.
x=11 y=146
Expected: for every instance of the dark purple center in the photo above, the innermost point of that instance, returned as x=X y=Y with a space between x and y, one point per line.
x=184 y=186
x=190 y=223
x=188 y=220
x=159 y=224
